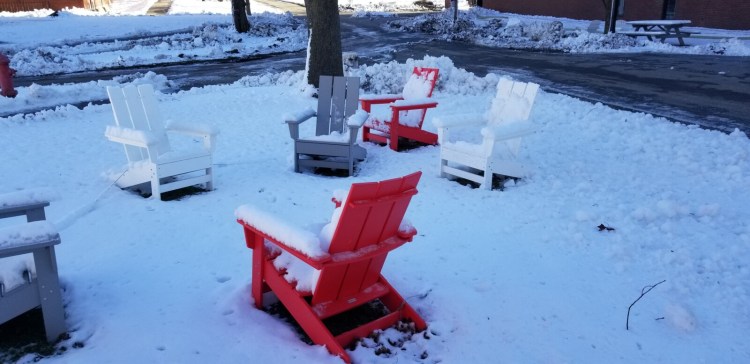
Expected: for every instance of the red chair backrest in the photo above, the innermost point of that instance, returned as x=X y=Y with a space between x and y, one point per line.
x=372 y=213
x=431 y=74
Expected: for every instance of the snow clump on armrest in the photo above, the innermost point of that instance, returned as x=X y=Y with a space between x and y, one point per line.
x=292 y=236
x=30 y=196
x=359 y=118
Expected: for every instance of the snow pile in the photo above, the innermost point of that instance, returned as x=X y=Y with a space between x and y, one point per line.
x=204 y=41
x=388 y=6
x=485 y=27
x=37 y=97
x=389 y=78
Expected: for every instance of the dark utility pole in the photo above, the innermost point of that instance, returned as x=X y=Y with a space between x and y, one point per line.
x=613 y=10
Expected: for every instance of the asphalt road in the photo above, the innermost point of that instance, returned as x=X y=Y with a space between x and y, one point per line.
x=711 y=91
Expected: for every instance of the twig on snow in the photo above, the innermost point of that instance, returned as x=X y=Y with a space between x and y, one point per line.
x=644 y=290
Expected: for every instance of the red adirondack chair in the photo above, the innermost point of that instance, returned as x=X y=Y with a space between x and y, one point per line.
x=407 y=111
x=368 y=227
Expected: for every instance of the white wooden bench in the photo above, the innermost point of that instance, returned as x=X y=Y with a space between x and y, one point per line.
x=38 y=238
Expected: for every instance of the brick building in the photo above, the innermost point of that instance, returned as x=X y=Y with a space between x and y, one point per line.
x=723 y=14
x=27 y=5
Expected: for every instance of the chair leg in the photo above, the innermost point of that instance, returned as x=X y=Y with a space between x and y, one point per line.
x=443 y=163
x=155 y=193
x=49 y=293
x=365 y=134
x=394 y=142
x=210 y=183
x=395 y=122
x=296 y=159
x=302 y=312
x=259 y=252
x=487 y=183
x=394 y=302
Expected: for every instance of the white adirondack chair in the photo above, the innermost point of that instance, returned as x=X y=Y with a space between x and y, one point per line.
x=503 y=127
x=152 y=165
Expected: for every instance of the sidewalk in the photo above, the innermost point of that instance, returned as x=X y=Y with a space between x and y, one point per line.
x=295 y=9
x=160 y=7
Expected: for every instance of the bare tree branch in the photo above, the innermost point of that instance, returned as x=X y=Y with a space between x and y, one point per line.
x=644 y=290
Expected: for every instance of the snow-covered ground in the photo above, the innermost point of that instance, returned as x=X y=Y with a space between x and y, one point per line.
x=521 y=275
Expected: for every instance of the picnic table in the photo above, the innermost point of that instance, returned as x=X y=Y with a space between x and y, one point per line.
x=661 y=29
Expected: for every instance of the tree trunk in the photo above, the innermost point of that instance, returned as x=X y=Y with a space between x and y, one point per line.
x=240 y=9
x=324 y=46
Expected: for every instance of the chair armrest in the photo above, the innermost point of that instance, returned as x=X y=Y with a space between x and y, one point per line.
x=413 y=104
x=300 y=242
x=299 y=117
x=191 y=128
x=339 y=196
x=25 y=238
x=137 y=138
x=355 y=122
x=204 y=131
x=380 y=99
x=293 y=121
x=510 y=130
x=30 y=202
x=368 y=100
x=458 y=120
x=358 y=119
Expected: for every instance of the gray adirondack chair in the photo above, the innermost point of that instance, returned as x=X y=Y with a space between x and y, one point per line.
x=37 y=237
x=152 y=164
x=338 y=122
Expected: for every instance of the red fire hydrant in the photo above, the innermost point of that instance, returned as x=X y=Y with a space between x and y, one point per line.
x=6 y=77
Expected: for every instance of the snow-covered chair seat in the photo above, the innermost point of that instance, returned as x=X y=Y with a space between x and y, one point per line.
x=152 y=164
x=408 y=111
x=334 y=144
x=317 y=275
x=502 y=129
x=28 y=268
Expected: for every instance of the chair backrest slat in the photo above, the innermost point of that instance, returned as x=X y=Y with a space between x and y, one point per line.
x=153 y=116
x=123 y=120
x=325 y=92
x=352 y=97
